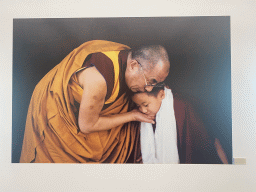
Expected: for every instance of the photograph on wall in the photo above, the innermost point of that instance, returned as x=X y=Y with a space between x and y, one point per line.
x=142 y=90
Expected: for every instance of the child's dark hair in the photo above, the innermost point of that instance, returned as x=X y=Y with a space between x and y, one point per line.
x=130 y=94
x=154 y=91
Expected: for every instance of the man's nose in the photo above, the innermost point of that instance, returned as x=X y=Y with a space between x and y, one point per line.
x=148 y=88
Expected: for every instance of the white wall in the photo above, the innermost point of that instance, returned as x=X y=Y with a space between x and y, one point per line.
x=45 y=177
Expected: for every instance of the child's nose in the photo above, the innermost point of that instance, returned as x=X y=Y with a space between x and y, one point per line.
x=144 y=110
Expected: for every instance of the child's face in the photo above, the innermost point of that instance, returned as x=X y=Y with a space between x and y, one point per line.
x=149 y=105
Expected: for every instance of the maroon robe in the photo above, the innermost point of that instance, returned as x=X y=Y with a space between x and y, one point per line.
x=195 y=146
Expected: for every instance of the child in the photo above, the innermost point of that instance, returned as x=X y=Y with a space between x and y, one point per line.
x=179 y=135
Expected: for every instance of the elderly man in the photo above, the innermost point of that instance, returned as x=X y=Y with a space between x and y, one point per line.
x=79 y=111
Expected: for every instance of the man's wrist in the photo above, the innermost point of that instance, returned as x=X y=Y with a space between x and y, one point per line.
x=132 y=116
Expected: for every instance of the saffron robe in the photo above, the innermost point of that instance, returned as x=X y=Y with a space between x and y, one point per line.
x=195 y=146
x=52 y=133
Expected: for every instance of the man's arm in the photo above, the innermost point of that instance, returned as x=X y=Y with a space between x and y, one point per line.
x=93 y=99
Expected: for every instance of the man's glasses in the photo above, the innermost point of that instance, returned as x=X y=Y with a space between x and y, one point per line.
x=161 y=84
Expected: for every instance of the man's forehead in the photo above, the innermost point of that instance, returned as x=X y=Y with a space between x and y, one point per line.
x=159 y=72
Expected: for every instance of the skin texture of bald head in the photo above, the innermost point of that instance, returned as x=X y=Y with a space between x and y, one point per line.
x=146 y=65
x=151 y=55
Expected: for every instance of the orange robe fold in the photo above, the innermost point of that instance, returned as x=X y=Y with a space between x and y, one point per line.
x=52 y=133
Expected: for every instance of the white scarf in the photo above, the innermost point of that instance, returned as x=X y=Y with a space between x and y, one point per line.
x=161 y=146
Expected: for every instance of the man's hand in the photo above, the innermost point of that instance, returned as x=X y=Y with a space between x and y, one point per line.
x=139 y=116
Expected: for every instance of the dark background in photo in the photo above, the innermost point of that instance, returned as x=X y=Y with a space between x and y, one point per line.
x=198 y=48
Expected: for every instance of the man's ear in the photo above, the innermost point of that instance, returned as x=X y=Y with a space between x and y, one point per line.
x=133 y=63
x=161 y=94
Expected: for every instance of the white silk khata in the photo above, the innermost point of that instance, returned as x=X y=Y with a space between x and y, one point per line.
x=161 y=146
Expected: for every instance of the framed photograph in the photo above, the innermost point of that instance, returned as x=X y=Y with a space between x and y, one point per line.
x=198 y=48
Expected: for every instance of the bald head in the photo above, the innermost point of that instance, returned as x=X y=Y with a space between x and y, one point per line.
x=151 y=55
x=146 y=67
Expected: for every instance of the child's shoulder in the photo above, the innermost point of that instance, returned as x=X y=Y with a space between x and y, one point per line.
x=182 y=101
x=177 y=97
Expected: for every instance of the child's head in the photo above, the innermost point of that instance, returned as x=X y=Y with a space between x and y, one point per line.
x=149 y=102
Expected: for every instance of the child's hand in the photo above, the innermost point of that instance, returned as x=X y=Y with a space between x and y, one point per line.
x=139 y=116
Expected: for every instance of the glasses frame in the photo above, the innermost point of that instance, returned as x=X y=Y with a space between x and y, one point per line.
x=160 y=84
